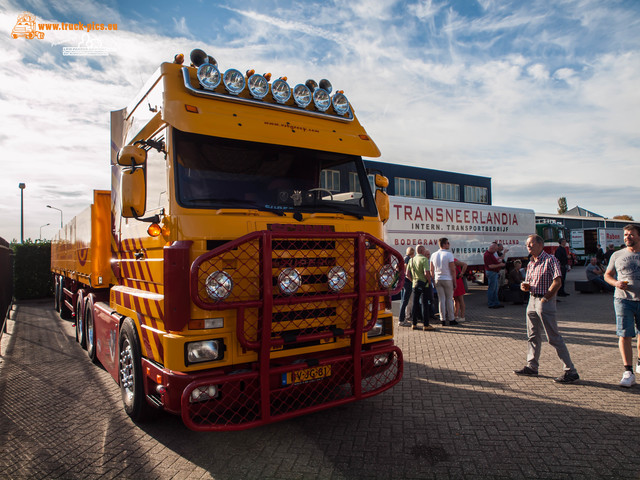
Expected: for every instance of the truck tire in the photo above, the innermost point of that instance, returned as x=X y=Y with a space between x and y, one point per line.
x=81 y=337
x=90 y=328
x=65 y=312
x=131 y=379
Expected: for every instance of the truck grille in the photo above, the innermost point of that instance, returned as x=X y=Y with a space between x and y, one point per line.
x=314 y=311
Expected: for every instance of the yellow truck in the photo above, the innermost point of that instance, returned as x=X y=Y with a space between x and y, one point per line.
x=235 y=273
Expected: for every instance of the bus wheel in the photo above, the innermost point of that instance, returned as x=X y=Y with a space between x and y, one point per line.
x=80 y=328
x=90 y=329
x=131 y=386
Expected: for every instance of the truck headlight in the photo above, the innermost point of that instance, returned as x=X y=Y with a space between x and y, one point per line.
x=377 y=330
x=219 y=285
x=337 y=278
x=204 y=351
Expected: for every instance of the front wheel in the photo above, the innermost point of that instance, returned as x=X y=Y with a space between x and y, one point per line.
x=131 y=380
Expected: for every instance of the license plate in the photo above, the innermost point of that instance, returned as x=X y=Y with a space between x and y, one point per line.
x=306 y=375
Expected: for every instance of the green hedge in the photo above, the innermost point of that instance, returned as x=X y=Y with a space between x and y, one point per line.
x=32 y=270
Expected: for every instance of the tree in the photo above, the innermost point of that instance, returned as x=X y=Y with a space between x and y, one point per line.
x=623 y=217
x=562 y=204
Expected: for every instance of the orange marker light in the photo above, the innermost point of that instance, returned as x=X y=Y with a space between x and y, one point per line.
x=191 y=108
x=154 y=230
x=250 y=72
x=267 y=76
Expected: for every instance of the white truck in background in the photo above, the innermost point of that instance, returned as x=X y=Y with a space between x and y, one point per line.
x=470 y=228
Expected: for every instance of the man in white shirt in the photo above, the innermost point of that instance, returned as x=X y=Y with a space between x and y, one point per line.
x=443 y=271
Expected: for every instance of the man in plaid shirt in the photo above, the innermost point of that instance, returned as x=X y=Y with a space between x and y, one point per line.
x=542 y=281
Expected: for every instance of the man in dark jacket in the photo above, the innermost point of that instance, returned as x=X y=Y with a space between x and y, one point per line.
x=563 y=259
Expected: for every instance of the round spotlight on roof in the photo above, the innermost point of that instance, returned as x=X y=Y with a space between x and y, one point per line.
x=258 y=86
x=326 y=84
x=302 y=95
x=321 y=99
x=311 y=84
x=213 y=61
x=209 y=76
x=233 y=81
x=340 y=103
x=281 y=91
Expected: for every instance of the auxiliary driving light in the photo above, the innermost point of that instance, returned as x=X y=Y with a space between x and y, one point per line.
x=233 y=81
x=289 y=281
x=219 y=285
x=380 y=359
x=321 y=99
x=203 y=393
x=386 y=276
x=209 y=76
x=281 y=90
x=337 y=278
x=340 y=103
x=302 y=95
x=258 y=86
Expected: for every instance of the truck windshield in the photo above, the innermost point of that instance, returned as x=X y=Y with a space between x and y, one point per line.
x=216 y=173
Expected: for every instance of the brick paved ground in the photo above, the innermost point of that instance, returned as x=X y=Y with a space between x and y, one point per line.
x=458 y=413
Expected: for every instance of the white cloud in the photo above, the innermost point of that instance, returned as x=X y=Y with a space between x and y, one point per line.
x=509 y=94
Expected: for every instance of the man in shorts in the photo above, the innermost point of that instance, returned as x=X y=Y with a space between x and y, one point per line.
x=623 y=272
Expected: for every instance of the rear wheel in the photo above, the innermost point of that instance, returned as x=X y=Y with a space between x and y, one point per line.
x=131 y=380
x=90 y=329
x=80 y=327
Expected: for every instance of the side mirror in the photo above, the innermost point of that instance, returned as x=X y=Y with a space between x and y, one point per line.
x=382 y=199
x=132 y=156
x=381 y=181
x=133 y=192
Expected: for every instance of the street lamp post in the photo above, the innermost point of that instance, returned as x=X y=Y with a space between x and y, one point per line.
x=45 y=225
x=54 y=208
x=21 y=186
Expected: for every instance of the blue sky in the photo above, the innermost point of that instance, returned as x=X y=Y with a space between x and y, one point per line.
x=541 y=96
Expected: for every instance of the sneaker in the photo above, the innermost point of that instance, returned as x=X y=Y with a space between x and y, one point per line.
x=638 y=366
x=404 y=324
x=526 y=371
x=567 y=377
x=628 y=379
x=428 y=328
x=460 y=319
